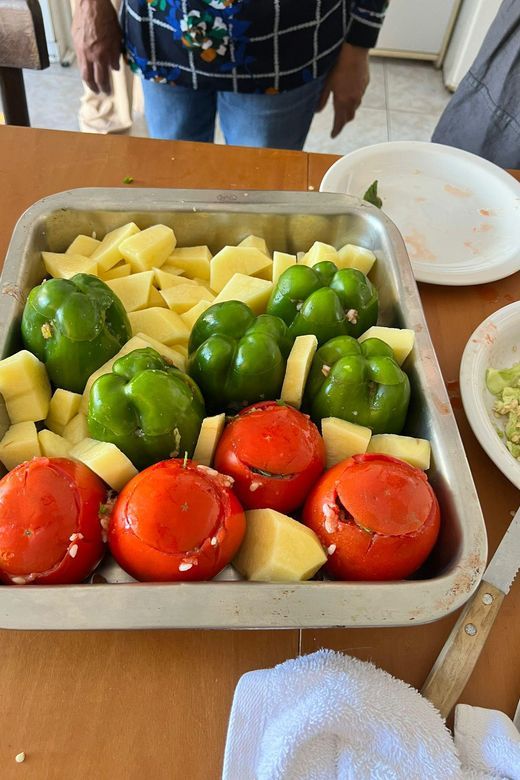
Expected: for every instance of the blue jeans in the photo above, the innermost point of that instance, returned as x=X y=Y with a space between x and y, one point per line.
x=279 y=121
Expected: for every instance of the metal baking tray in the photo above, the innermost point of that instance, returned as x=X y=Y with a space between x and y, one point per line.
x=290 y=221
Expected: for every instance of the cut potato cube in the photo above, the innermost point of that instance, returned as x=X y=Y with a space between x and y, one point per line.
x=277 y=548
x=297 y=370
x=133 y=291
x=25 y=387
x=77 y=429
x=400 y=340
x=210 y=432
x=257 y=243
x=65 y=266
x=202 y=283
x=107 y=254
x=155 y=299
x=136 y=342
x=170 y=354
x=165 y=277
x=281 y=262
x=83 y=245
x=106 y=460
x=253 y=292
x=318 y=253
x=182 y=349
x=234 y=259
x=191 y=316
x=19 y=443
x=343 y=439
x=117 y=272
x=182 y=297
x=53 y=446
x=352 y=256
x=149 y=248
x=64 y=405
x=162 y=324
x=194 y=260
x=416 y=452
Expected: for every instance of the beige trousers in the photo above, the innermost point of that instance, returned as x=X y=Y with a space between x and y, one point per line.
x=111 y=113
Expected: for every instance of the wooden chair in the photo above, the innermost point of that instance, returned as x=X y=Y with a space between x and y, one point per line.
x=22 y=45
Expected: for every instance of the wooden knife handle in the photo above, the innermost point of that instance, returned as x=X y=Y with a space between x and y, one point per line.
x=456 y=661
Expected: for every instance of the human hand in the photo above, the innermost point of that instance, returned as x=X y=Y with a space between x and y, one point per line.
x=347 y=81
x=97 y=39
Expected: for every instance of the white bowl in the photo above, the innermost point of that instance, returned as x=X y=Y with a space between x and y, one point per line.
x=458 y=213
x=494 y=344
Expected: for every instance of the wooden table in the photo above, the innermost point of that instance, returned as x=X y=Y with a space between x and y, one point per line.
x=135 y=705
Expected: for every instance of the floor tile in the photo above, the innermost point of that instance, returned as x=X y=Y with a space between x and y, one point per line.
x=409 y=126
x=375 y=96
x=368 y=127
x=53 y=97
x=415 y=86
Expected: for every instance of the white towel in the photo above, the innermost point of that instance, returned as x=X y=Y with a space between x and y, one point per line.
x=327 y=716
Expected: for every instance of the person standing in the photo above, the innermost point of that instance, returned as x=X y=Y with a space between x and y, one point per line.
x=265 y=66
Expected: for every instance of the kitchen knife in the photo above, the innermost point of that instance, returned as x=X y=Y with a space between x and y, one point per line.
x=456 y=661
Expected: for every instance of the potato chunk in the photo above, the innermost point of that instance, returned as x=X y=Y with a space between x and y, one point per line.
x=149 y=248
x=107 y=254
x=54 y=446
x=257 y=243
x=191 y=316
x=106 y=460
x=235 y=259
x=83 y=245
x=352 y=256
x=401 y=340
x=193 y=260
x=77 y=429
x=318 y=253
x=133 y=291
x=416 y=452
x=210 y=432
x=343 y=439
x=253 y=292
x=297 y=370
x=65 y=266
x=281 y=262
x=64 y=405
x=117 y=272
x=162 y=324
x=182 y=297
x=277 y=548
x=25 y=387
x=19 y=443
x=165 y=277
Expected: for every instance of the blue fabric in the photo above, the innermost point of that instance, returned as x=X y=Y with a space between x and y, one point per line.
x=483 y=115
x=279 y=121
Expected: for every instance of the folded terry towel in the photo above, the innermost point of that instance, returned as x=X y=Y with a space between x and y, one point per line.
x=327 y=716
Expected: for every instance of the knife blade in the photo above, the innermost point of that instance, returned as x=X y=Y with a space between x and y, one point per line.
x=456 y=661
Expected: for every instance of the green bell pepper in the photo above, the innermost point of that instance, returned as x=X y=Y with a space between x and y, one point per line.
x=237 y=358
x=324 y=301
x=74 y=326
x=147 y=408
x=361 y=383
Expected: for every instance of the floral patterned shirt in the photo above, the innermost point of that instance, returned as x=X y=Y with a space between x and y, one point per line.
x=244 y=45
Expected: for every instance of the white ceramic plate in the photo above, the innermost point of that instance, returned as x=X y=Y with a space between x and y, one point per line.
x=494 y=344
x=459 y=214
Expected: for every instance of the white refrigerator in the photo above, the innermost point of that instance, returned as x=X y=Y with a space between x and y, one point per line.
x=473 y=22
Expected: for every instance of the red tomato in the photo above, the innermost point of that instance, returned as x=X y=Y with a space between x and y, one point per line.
x=274 y=453
x=50 y=531
x=377 y=516
x=176 y=521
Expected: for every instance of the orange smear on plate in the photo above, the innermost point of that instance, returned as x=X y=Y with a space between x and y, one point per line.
x=417 y=248
x=456 y=191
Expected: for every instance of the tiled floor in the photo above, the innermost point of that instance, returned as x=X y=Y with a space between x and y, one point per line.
x=403 y=102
